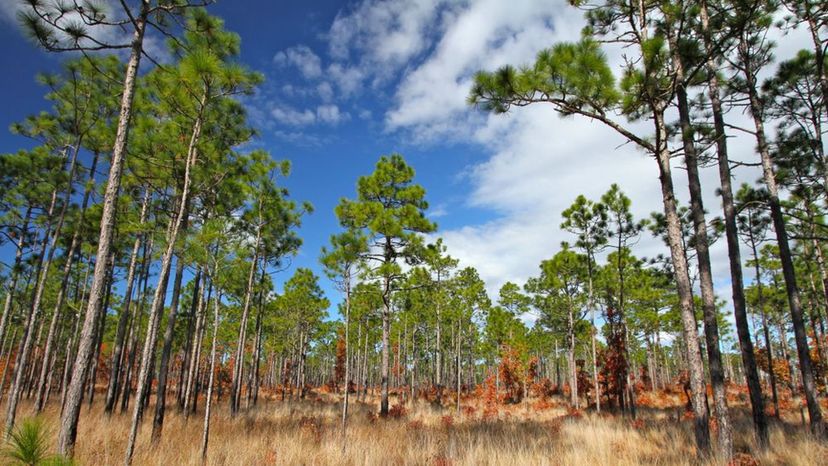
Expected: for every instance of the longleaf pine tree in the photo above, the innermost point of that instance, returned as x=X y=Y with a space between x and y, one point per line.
x=390 y=211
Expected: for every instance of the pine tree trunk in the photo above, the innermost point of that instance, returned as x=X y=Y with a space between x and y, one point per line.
x=682 y=276
x=69 y=418
x=64 y=283
x=136 y=326
x=70 y=354
x=123 y=319
x=573 y=369
x=592 y=331
x=192 y=375
x=235 y=387
x=785 y=256
x=346 y=395
x=188 y=339
x=163 y=368
x=40 y=286
x=757 y=404
x=253 y=384
x=208 y=402
x=457 y=353
x=157 y=308
x=99 y=333
x=438 y=350
x=15 y=274
x=8 y=360
x=386 y=328
x=711 y=327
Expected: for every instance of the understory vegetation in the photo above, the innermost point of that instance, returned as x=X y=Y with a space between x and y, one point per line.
x=152 y=313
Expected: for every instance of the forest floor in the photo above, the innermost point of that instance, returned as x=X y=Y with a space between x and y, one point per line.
x=535 y=432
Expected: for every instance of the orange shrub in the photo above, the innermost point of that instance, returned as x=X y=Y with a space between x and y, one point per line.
x=397 y=411
x=743 y=459
x=415 y=425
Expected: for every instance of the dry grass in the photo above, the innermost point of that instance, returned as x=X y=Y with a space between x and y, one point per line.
x=307 y=433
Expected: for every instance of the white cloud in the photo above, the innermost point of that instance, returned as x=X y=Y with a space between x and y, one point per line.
x=323 y=114
x=303 y=58
x=537 y=163
x=331 y=114
x=9 y=10
x=109 y=35
x=390 y=32
x=325 y=91
x=487 y=34
x=291 y=116
x=348 y=79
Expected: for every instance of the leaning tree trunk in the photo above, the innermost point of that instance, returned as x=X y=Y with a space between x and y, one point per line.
x=235 y=387
x=40 y=286
x=785 y=256
x=205 y=435
x=69 y=418
x=123 y=319
x=161 y=390
x=15 y=275
x=682 y=276
x=757 y=404
x=711 y=327
x=157 y=308
x=64 y=283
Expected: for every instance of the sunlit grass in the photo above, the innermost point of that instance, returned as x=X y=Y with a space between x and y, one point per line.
x=532 y=433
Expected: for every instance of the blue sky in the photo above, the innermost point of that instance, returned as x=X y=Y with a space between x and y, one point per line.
x=349 y=81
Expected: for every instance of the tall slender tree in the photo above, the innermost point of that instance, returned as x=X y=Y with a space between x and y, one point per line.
x=390 y=210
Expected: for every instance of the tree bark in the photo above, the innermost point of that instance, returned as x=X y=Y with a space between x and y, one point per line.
x=680 y=270
x=192 y=375
x=757 y=404
x=74 y=395
x=235 y=387
x=386 y=329
x=123 y=319
x=208 y=402
x=15 y=275
x=40 y=286
x=785 y=256
x=157 y=308
x=711 y=327
x=67 y=271
x=163 y=368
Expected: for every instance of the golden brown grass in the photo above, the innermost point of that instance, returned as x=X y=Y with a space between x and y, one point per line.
x=307 y=433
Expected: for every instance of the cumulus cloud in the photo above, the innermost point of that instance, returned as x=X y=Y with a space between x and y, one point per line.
x=535 y=162
x=325 y=91
x=331 y=114
x=486 y=34
x=389 y=32
x=323 y=114
x=303 y=58
x=291 y=116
